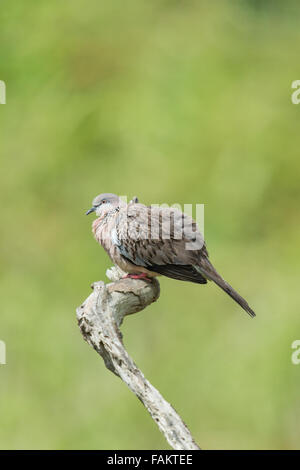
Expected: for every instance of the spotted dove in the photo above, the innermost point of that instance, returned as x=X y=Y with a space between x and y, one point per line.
x=150 y=241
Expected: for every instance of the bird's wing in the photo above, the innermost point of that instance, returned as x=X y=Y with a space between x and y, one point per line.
x=162 y=240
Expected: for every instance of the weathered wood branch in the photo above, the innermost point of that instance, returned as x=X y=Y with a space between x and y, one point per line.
x=99 y=319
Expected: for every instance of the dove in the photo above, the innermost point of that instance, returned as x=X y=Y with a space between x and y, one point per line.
x=148 y=241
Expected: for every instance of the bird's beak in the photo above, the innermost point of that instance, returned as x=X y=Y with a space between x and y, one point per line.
x=90 y=210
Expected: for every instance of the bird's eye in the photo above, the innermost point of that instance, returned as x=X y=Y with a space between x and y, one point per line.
x=104 y=201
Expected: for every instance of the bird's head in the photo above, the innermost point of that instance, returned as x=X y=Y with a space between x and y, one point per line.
x=104 y=203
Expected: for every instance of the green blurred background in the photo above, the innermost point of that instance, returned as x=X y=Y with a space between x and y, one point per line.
x=175 y=102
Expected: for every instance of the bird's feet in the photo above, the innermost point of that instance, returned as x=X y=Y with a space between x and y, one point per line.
x=138 y=276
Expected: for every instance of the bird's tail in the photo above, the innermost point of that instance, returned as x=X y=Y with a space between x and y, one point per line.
x=207 y=269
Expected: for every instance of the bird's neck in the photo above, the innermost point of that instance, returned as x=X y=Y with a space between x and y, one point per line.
x=103 y=218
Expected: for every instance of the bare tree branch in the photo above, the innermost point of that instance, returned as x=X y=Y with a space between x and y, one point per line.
x=99 y=318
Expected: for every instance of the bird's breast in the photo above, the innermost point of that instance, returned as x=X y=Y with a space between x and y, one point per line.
x=101 y=231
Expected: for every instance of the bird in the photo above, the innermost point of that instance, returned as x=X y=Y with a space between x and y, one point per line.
x=149 y=241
